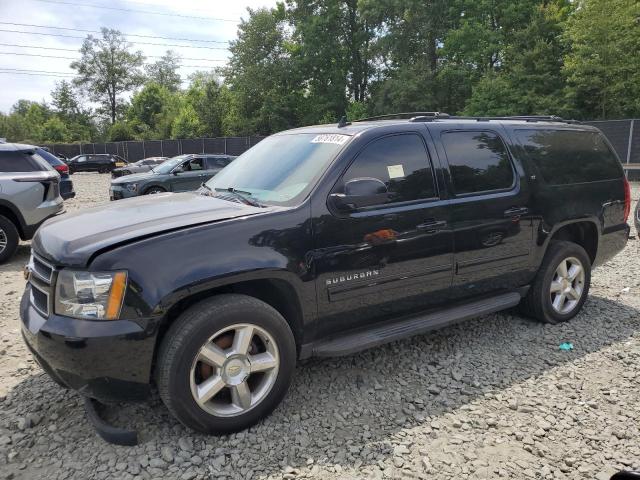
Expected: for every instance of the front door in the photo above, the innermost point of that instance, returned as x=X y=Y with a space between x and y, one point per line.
x=190 y=177
x=490 y=212
x=386 y=260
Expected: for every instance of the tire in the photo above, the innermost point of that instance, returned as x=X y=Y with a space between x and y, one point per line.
x=539 y=302
x=9 y=239
x=180 y=376
x=154 y=190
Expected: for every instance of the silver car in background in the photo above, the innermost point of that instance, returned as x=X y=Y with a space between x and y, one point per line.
x=29 y=194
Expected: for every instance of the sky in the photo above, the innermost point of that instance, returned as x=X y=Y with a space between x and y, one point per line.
x=213 y=20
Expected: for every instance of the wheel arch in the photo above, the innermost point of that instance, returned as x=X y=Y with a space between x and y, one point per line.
x=277 y=292
x=13 y=214
x=584 y=232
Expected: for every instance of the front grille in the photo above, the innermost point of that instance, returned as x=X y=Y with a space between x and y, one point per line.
x=41 y=281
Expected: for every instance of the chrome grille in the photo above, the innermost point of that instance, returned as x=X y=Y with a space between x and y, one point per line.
x=40 y=279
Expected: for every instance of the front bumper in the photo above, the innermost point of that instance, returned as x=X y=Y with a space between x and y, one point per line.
x=106 y=360
x=117 y=192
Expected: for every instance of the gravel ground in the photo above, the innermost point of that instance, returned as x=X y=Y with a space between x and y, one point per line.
x=490 y=398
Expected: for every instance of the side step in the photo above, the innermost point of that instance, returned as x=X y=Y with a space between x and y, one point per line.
x=353 y=342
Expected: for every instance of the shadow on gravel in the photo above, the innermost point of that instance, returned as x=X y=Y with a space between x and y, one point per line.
x=18 y=261
x=336 y=409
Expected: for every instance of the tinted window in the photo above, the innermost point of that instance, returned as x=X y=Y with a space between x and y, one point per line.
x=217 y=162
x=401 y=162
x=19 y=162
x=569 y=156
x=478 y=162
x=49 y=157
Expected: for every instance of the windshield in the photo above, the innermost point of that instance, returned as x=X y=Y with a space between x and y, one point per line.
x=282 y=169
x=168 y=165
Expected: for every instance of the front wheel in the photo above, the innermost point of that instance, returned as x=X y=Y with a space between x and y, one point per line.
x=562 y=284
x=154 y=190
x=9 y=239
x=226 y=363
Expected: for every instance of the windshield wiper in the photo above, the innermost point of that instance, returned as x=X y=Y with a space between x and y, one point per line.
x=239 y=194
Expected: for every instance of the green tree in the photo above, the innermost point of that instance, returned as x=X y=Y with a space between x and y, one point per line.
x=55 y=130
x=332 y=50
x=603 y=65
x=164 y=72
x=530 y=80
x=186 y=124
x=207 y=99
x=152 y=111
x=119 y=132
x=107 y=69
x=263 y=78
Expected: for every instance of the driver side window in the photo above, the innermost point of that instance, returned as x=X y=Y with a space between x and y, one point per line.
x=401 y=162
x=195 y=164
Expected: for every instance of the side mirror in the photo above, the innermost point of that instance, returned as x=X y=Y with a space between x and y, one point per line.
x=358 y=193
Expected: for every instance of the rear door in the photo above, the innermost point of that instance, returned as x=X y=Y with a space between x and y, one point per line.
x=491 y=214
x=390 y=259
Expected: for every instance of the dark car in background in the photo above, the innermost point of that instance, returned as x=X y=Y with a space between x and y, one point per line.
x=178 y=174
x=66 y=185
x=98 y=162
x=140 y=166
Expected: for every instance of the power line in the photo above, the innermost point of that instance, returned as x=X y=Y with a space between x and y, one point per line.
x=125 y=34
x=137 y=11
x=135 y=42
x=75 y=50
x=35 y=71
x=34 y=74
x=75 y=58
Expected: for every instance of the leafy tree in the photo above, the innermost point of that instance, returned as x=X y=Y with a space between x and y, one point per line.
x=186 y=124
x=164 y=72
x=603 y=65
x=205 y=96
x=119 y=132
x=262 y=76
x=332 y=50
x=152 y=111
x=55 y=130
x=107 y=69
x=64 y=100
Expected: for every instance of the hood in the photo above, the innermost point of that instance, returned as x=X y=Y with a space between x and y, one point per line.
x=134 y=177
x=71 y=239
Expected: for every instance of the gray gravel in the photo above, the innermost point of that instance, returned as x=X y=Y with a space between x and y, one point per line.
x=490 y=398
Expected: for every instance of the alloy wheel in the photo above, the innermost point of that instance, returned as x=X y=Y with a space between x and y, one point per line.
x=234 y=370
x=3 y=240
x=567 y=285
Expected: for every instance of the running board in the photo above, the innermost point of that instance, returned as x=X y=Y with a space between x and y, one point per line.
x=362 y=339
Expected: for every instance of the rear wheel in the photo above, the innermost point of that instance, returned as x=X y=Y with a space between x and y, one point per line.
x=562 y=284
x=226 y=363
x=9 y=239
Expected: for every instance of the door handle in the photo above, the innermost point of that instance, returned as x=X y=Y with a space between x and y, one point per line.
x=432 y=226
x=516 y=212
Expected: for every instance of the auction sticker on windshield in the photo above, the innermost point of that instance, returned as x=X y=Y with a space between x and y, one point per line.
x=334 y=138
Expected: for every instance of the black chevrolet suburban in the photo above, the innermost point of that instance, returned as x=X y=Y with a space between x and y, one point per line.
x=321 y=241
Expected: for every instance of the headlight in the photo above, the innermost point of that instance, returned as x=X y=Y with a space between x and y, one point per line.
x=132 y=187
x=90 y=295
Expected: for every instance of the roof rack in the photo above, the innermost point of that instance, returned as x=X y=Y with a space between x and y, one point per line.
x=414 y=116
x=431 y=116
x=526 y=118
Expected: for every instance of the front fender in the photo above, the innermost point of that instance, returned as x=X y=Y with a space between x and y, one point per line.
x=167 y=268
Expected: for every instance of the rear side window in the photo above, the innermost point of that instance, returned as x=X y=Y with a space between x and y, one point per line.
x=19 y=162
x=569 y=156
x=478 y=162
x=216 y=162
x=401 y=162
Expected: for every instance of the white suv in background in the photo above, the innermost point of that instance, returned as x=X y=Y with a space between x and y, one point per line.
x=29 y=194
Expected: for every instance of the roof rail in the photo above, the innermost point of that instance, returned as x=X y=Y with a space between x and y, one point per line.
x=526 y=118
x=406 y=115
